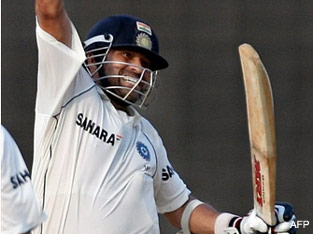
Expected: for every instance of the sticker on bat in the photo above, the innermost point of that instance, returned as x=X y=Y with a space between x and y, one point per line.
x=258 y=181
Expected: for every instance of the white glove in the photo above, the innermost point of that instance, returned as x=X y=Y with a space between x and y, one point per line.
x=285 y=216
x=252 y=224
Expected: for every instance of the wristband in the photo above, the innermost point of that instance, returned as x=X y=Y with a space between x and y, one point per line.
x=187 y=213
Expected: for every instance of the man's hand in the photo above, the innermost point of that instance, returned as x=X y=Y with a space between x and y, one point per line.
x=252 y=224
x=285 y=216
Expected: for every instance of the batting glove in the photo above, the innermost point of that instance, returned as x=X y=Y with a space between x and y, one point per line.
x=285 y=217
x=252 y=224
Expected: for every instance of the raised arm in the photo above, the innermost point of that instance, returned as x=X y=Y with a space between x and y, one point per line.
x=53 y=19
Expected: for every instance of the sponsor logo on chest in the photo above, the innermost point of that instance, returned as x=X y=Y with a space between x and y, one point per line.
x=92 y=128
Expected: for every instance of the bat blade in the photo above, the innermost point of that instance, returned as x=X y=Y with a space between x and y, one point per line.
x=261 y=125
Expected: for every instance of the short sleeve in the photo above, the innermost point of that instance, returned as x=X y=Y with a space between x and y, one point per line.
x=58 y=65
x=19 y=206
x=170 y=190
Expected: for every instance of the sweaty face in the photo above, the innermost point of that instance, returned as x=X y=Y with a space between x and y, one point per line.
x=130 y=74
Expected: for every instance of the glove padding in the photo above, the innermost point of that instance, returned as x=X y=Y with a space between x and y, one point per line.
x=252 y=224
x=285 y=216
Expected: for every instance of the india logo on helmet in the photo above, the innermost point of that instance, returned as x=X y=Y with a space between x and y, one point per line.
x=144 y=40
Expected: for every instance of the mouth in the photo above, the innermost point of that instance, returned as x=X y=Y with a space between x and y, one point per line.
x=130 y=80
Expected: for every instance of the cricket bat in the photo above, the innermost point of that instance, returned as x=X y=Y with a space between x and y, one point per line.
x=261 y=125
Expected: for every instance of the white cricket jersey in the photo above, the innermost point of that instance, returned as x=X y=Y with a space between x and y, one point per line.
x=96 y=169
x=20 y=210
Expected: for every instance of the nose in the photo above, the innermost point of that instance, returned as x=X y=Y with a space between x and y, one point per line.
x=137 y=64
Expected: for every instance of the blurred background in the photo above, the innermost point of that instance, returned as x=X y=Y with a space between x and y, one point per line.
x=200 y=111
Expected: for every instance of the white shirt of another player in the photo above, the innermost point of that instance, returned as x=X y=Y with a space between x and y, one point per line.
x=20 y=210
x=96 y=169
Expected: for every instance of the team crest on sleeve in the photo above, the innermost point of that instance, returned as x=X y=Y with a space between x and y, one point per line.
x=143 y=150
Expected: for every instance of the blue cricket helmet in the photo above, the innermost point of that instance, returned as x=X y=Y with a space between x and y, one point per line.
x=129 y=32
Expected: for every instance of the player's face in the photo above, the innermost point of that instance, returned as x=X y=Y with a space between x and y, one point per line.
x=131 y=67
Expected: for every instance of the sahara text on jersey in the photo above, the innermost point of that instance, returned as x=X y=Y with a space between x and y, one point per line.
x=20 y=178
x=91 y=127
